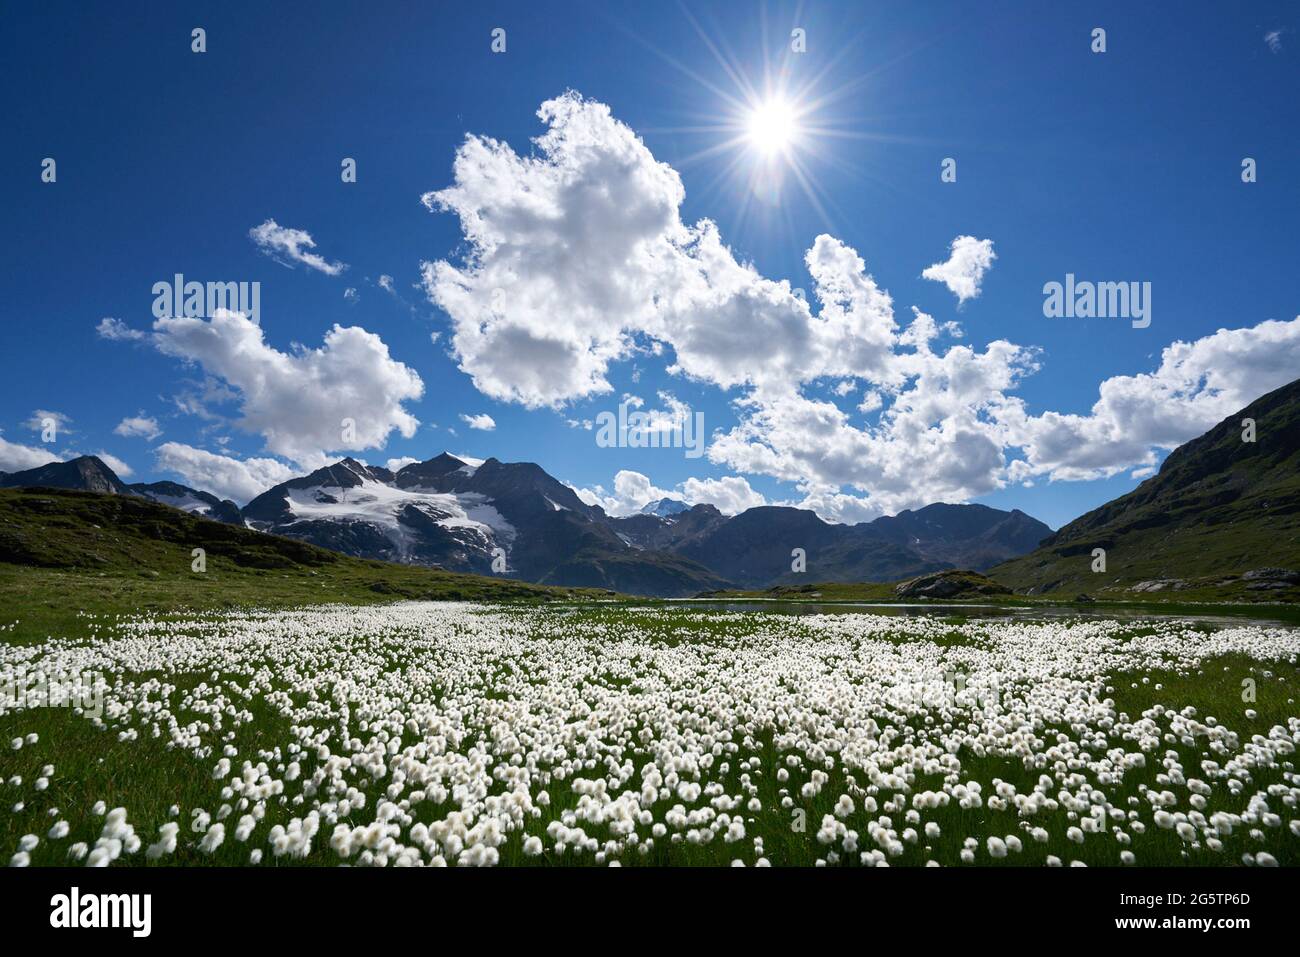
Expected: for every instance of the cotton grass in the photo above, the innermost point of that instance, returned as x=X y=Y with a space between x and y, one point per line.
x=451 y=734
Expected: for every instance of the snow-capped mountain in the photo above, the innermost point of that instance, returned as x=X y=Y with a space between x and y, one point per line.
x=514 y=519
x=491 y=518
x=422 y=515
x=665 y=508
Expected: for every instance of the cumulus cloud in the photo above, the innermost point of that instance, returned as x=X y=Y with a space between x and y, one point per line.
x=117 y=330
x=482 y=421
x=1273 y=40
x=730 y=494
x=140 y=426
x=16 y=457
x=1197 y=385
x=632 y=491
x=969 y=258
x=288 y=246
x=578 y=251
x=222 y=475
x=577 y=257
x=345 y=395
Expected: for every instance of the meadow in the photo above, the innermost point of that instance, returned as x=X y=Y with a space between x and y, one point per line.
x=454 y=733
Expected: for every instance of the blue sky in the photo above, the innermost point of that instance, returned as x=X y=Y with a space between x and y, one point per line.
x=1115 y=166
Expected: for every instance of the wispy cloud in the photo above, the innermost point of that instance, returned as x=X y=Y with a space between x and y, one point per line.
x=117 y=330
x=289 y=246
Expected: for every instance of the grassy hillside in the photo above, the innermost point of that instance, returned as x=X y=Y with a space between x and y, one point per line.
x=66 y=553
x=1219 y=508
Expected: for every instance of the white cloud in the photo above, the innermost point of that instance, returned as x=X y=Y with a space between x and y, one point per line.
x=141 y=426
x=41 y=419
x=1273 y=39
x=222 y=475
x=117 y=465
x=396 y=465
x=482 y=421
x=871 y=402
x=15 y=457
x=288 y=246
x=969 y=259
x=577 y=258
x=1197 y=385
x=674 y=415
x=580 y=250
x=350 y=294
x=117 y=330
x=633 y=491
x=299 y=402
x=731 y=494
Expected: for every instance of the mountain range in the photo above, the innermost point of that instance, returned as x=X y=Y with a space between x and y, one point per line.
x=515 y=520
x=1220 y=520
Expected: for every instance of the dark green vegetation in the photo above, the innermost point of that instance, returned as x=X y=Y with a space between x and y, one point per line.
x=65 y=553
x=1219 y=522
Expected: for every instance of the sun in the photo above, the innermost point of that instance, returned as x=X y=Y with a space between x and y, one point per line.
x=772 y=126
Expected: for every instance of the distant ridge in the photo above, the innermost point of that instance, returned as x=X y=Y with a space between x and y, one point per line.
x=1221 y=514
x=515 y=520
x=89 y=473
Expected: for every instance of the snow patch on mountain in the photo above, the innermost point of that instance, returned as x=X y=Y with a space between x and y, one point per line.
x=467 y=515
x=186 y=502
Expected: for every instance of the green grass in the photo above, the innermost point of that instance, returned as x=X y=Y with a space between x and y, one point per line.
x=148 y=778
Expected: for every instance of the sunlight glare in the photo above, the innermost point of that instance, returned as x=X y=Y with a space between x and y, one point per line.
x=772 y=126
